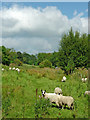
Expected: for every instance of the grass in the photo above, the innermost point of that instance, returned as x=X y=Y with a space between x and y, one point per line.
x=19 y=92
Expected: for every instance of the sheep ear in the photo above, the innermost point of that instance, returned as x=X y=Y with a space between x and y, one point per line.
x=45 y=90
x=41 y=90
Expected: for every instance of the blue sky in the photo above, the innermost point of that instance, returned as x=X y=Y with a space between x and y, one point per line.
x=66 y=8
x=35 y=27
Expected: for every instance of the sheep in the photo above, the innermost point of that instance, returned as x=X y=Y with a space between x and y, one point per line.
x=84 y=79
x=64 y=79
x=2 y=69
x=17 y=69
x=58 y=91
x=54 y=98
x=66 y=100
x=13 y=68
x=10 y=68
x=87 y=93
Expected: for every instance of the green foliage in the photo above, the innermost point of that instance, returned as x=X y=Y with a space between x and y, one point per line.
x=19 y=56
x=19 y=93
x=42 y=56
x=73 y=51
x=45 y=63
x=18 y=62
x=41 y=108
x=8 y=56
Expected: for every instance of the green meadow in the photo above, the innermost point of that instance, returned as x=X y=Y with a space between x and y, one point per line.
x=19 y=95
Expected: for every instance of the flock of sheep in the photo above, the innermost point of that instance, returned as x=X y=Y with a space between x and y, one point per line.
x=58 y=98
x=17 y=69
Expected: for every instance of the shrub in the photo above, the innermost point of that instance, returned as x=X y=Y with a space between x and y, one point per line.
x=45 y=63
x=41 y=65
x=18 y=62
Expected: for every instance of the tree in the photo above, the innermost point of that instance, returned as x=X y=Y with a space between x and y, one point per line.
x=73 y=51
x=45 y=63
x=20 y=56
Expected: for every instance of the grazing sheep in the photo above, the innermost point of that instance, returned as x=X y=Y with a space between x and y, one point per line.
x=54 y=98
x=10 y=68
x=2 y=69
x=84 y=79
x=87 y=93
x=66 y=100
x=13 y=68
x=64 y=79
x=58 y=91
x=17 y=69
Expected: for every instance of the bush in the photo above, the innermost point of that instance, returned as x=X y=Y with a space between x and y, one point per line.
x=18 y=62
x=41 y=65
x=45 y=63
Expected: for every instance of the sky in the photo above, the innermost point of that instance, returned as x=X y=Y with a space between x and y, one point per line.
x=35 y=27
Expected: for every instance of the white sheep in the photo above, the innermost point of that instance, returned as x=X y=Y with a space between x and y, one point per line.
x=84 y=79
x=2 y=69
x=13 y=68
x=87 y=93
x=54 y=98
x=64 y=79
x=10 y=68
x=58 y=91
x=66 y=100
x=17 y=69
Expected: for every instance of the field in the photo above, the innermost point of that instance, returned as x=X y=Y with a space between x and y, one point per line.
x=19 y=92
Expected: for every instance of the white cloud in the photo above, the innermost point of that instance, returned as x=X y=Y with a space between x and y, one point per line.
x=80 y=14
x=36 y=30
x=75 y=12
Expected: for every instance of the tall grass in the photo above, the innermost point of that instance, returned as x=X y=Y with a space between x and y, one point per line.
x=19 y=92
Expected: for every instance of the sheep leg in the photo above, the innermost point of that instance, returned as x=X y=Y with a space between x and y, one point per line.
x=57 y=104
x=60 y=105
x=72 y=107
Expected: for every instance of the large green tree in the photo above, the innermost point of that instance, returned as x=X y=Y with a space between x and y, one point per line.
x=73 y=51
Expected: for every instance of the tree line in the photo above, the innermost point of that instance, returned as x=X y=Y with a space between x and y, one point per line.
x=73 y=52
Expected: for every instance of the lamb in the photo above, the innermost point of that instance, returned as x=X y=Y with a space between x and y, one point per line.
x=54 y=98
x=66 y=100
x=87 y=93
x=64 y=79
x=58 y=91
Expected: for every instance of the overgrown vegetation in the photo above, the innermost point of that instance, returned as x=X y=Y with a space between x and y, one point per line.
x=19 y=92
x=45 y=71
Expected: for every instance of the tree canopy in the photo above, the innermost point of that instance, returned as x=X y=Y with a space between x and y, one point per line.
x=73 y=52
